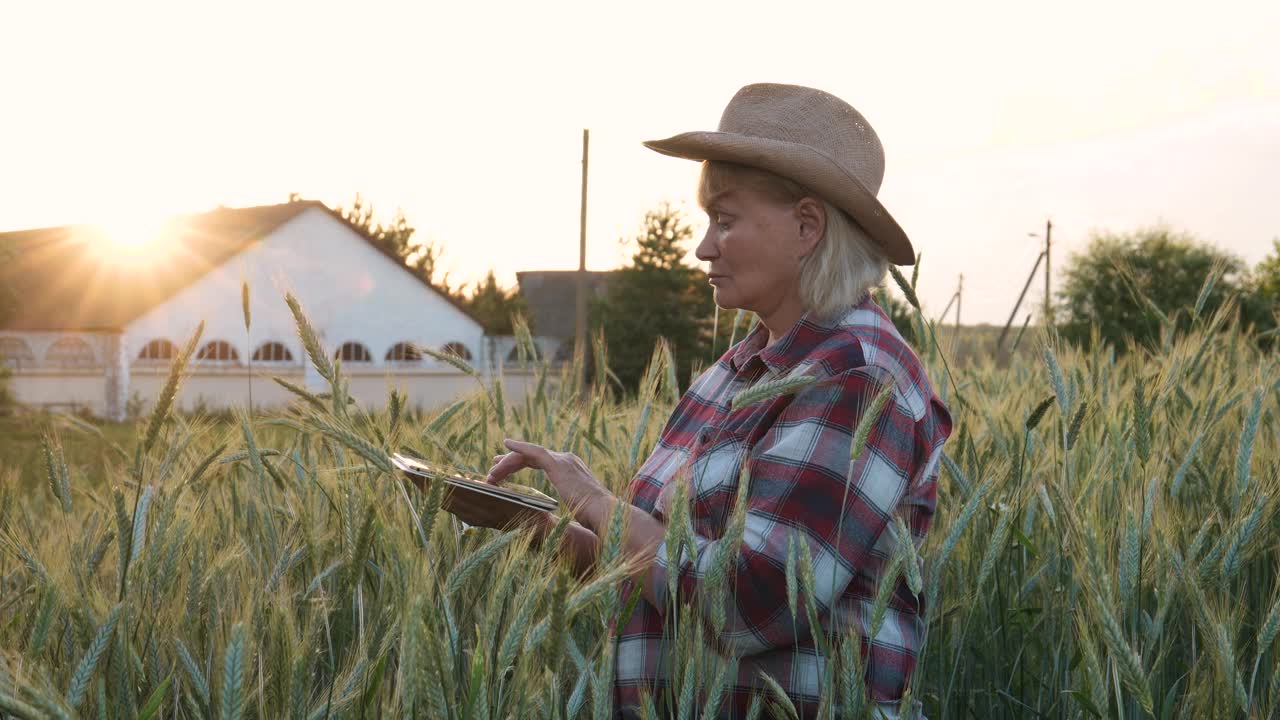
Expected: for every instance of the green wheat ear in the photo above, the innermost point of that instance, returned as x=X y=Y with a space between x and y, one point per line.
x=450 y=359
x=310 y=341
x=770 y=390
x=84 y=673
x=59 y=477
x=233 y=675
x=164 y=402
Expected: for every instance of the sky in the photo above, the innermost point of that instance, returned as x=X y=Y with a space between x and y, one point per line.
x=995 y=117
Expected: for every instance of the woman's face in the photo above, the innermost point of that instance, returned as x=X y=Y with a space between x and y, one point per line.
x=753 y=246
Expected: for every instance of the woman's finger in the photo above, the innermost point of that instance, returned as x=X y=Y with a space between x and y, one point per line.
x=535 y=455
x=509 y=463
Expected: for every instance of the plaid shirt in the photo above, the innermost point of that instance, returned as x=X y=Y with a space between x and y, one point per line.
x=799 y=449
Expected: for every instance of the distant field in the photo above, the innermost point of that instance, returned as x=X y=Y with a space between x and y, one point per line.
x=20 y=445
x=976 y=344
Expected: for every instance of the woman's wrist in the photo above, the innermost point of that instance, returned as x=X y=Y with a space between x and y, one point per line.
x=579 y=544
x=542 y=524
x=595 y=513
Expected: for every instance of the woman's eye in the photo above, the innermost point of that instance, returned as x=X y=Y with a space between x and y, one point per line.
x=722 y=223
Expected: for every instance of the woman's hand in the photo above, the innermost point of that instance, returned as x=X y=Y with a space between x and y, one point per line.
x=579 y=490
x=592 y=505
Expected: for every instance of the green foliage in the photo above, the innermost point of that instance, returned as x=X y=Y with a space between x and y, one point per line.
x=1125 y=286
x=6 y=395
x=8 y=309
x=8 y=297
x=1260 y=306
x=493 y=306
x=1267 y=274
x=898 y=311
x=396 y=239
x=657 y=295
x=488 y=302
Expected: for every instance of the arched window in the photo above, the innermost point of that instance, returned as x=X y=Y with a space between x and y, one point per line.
x=70 y=352
x=457 y=349
x=272 y=351
x=218 y=351
x=354 y=352
x=160 y=349
x=15 y=354
x=404 y=352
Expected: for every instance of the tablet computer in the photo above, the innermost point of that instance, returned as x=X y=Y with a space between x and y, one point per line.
x=462 y=481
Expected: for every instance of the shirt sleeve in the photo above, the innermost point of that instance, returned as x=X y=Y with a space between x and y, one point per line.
x=801 y=483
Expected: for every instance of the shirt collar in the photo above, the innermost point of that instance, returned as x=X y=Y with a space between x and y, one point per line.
x=800 y=340
x=791 y=348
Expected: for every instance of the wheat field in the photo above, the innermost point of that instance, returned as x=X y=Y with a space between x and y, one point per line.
x=1105 y=546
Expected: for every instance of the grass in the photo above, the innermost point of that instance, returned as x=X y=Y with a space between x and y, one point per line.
x=1105 y=546
x=20 y=449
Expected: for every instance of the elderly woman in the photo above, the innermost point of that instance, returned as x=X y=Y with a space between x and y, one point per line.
x=796 y=236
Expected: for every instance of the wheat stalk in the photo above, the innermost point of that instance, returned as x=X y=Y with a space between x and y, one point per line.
x=84 y=672
x=310 y=342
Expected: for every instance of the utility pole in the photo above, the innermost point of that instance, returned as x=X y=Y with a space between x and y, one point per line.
x=1035 y=268
x=955 y=298
x=580 y=325
x=1048 y=302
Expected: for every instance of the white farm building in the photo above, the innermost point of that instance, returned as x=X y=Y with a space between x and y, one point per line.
x=98 y=332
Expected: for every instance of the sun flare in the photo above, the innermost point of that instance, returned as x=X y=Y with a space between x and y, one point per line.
x=132 y=232
x=130 y=239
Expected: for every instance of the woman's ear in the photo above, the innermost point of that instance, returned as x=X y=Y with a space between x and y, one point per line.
x=812 y=216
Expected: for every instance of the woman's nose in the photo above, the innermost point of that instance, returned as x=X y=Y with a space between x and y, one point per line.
x=706 y=249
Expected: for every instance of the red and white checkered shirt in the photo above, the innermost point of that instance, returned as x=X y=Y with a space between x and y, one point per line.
x=799 y=449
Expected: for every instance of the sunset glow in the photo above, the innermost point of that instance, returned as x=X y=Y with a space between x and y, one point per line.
x=132 y=233
x=994 y=116
x=131 y=239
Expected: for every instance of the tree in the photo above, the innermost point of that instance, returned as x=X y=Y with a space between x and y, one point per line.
x=396 y=238
x=1267 y=274
x=8 y=308
x=493 y=306
x=1106 y=285
x=8 y=297
x=1260 y=307
x=901 y=313
x=657 y=295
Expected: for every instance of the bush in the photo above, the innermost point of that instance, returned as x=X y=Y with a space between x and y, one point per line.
x=1124 y=282
x=6 y=398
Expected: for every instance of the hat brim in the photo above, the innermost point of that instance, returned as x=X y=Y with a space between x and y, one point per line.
x=805 y=165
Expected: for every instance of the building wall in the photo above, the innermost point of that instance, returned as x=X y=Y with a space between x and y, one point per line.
x=348 y=290
x=40 y=343
x=427 y=390
x=64 y=388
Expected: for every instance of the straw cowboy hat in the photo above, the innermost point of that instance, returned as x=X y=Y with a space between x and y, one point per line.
x=811 y=137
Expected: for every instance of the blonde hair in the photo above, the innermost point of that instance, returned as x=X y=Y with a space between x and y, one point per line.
x=843 y=267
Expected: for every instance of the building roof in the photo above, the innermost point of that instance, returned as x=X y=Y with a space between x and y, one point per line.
x=63 y=284
x=551 y=297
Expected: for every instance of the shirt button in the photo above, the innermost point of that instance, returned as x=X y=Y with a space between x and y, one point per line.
x=705 y=435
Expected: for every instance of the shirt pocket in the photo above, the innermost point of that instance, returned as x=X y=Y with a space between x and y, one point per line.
x=714 y=472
